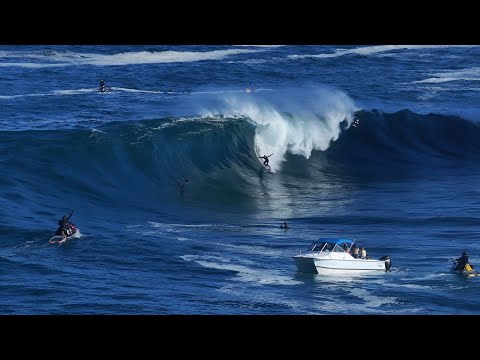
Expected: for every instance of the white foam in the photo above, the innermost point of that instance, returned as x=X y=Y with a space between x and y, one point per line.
x=331 y=302
x=252 y=299
x=138 y=91
x=471 y=74
x=194 y=226
x=369 y=50
x=126 y=58
x=251 y=249
x=429 y=276
x=372 y=301
x=436 y=80
x=73 y=91
x=246 y=274
x=306 y=120
x=266 y=46
x=53 y=93
x=29 y=65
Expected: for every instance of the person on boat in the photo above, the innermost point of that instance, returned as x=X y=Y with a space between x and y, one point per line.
x=265 y=159
x=356 y=251
x=284 y=226
x=462 y=261
x=363 y=253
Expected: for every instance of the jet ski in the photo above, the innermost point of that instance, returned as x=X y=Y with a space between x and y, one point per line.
x=71 y=231
x=468 y=270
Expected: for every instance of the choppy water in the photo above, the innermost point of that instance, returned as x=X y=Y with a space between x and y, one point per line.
x=375 y=143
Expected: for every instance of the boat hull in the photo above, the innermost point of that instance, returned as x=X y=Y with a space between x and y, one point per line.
x=317 y=265
x=305 y=265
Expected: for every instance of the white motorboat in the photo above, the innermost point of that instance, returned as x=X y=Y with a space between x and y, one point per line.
x=332 y=256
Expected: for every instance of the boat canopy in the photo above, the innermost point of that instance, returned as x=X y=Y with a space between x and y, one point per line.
x=336 y=241
x=331 y=244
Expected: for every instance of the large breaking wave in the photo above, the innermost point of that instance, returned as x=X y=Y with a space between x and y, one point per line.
x=313 y=136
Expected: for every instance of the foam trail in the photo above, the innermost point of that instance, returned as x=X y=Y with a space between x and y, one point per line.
x=139 y=91
x=51 y=93
x=246 y=274
x=304 y=121
x=125 y=58
x=30 y=65
x=369 y=50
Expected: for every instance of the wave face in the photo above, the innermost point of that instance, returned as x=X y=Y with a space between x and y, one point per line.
x=374 y=143
x=218 y=153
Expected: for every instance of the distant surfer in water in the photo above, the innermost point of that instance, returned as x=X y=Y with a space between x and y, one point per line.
x=265 y=160
x=182 y=184
x=103 y=88
x=249 y=88
x=284 y=226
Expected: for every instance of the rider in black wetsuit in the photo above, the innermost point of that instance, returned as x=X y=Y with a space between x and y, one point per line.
x=64 y=225
x=265 y=159
x=462 y=261
x=103 y=88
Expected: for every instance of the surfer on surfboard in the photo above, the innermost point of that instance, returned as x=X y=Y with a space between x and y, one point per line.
x=265 y=160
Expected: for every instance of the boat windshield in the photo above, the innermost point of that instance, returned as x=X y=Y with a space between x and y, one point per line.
x=317 y=246
x=341 y=248
x=337 y=245
x=322 y=246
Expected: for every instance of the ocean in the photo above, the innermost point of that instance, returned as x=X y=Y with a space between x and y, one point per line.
x=379 y=144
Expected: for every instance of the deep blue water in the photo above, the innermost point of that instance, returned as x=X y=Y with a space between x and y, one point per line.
x=375 y=143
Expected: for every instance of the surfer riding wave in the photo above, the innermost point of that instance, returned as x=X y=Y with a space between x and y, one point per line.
x=265 y=160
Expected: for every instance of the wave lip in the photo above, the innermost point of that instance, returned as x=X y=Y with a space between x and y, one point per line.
x=297 y=121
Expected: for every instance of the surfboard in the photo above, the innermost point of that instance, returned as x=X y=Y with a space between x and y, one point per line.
x=267 y=167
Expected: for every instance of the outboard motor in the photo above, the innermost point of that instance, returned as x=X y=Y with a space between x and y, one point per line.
x=388 y=262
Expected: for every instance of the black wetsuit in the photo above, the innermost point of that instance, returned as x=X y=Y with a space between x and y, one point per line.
x=64 y=223
x=462 y=261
